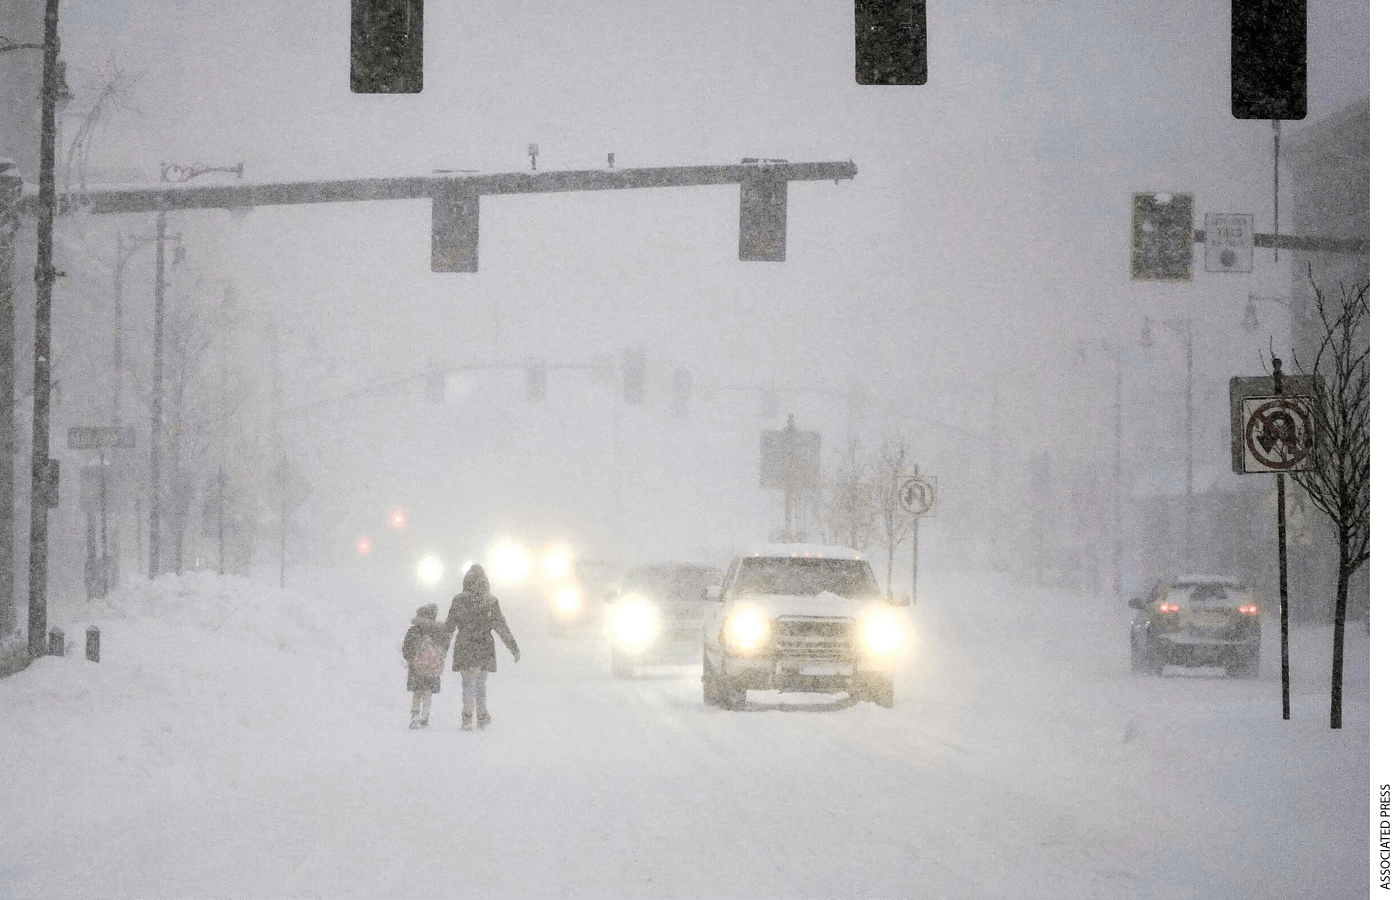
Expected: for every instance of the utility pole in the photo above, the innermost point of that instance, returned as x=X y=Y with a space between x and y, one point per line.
x=157 y=393
x=11 y=188
x=42 y=474
x=281 y=453
x=169 y=172
x=124 y=256
x=1117 y=471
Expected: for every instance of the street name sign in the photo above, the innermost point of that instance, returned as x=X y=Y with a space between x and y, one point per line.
x=101 y=437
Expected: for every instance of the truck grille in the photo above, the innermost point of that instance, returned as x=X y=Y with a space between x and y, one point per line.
x=816 y=638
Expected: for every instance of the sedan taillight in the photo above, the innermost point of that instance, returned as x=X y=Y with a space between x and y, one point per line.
x=1168 y=608
x=1249 y=609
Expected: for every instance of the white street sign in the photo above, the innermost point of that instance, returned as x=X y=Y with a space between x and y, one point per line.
x=1279 y=434
x=1229 y=242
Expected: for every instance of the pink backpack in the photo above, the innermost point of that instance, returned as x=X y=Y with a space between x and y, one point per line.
x=430 y=656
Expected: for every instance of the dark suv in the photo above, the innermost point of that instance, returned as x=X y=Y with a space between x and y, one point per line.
x=658 y=616
x=1196 y=620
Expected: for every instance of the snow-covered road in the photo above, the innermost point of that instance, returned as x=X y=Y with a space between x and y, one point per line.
x=240 y=741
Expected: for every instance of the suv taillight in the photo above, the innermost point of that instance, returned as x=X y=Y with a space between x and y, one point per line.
x=1249 y=609
x=1168 y=608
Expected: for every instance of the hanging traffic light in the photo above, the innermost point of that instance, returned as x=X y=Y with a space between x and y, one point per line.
x=681 y=386
x=1162 y=237
x=634 y=375
x=536 y=383
x=456 y=232
x=435 y=388
x=857 y=401
x=1269 y=59
x=770 y=403
x=386 y=46
x=763 y=218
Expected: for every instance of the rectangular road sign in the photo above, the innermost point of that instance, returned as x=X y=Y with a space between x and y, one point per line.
x=1285 y=444
x=797 y=463
x=1229 y=242
x=101 y=437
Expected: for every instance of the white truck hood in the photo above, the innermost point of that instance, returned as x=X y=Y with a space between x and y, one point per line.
x=823 y=604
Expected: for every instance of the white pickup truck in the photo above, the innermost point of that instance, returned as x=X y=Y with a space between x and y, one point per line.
x=802 y=618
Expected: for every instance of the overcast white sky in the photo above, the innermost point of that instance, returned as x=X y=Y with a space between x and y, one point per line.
x=984 y=237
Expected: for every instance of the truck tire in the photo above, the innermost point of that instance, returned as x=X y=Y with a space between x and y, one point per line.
x=1244 y=666
x=879 y=689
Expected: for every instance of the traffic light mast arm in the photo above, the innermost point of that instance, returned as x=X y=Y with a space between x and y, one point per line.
x=218 y=196
x=385 y=388
x=1306 y=244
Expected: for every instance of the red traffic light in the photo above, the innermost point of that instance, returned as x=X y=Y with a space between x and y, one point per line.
x=397 y=519
x=363 y=545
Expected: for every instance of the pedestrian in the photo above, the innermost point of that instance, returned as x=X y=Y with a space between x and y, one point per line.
x=473 y=616
x=425 y=651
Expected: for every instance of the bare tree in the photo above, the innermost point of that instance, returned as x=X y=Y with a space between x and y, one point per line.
x=1339 y=482
x=892 y=525
x=847 y=513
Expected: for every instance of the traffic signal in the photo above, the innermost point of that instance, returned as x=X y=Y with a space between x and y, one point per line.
x=1163 y=232
x=763 y=218
x=456 y=231
x=435 y=388
x=1269 y=59
x=634 y=375
x=386 y=46
x=770 y=403
x=891 y=42
x=857 y=401
x=681 y=386
x=536 y=381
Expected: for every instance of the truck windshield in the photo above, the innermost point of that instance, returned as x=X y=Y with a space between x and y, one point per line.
x=805 y=577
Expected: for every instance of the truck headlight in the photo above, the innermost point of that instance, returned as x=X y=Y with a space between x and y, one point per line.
x=634 y=623
x=747 y=630
x=430 y=570
x=567 y=601
x=882 y=634
x=558 y=563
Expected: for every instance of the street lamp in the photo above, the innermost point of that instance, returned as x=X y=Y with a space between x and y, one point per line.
x=1182 y=327
x=169 y=173
x=1251 y=311
x=1117 y=352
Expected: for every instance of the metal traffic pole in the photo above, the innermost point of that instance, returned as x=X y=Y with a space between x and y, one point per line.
x=1282 y=559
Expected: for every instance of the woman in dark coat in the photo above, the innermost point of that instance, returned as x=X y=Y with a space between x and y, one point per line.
x=474 y=615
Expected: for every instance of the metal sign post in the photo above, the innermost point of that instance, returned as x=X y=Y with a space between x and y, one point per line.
x=916 y=498
x=93 y=498
x=1272 y=424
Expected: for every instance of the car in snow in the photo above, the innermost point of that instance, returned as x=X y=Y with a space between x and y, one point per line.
x=1196 y=620
x=657 y=617
x=577 y=605
x=800 y=618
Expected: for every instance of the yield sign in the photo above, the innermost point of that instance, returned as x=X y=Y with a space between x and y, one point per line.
x=916 y=495
x=1279 y=434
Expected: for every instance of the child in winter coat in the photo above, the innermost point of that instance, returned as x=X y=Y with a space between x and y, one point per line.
x=425 y=651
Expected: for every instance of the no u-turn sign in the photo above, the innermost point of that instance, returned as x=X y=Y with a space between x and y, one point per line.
x=1272 y=432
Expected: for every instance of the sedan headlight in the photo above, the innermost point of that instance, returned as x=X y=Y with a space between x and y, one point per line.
x=747 y=630
x=634 y=622
x=430 y=570
x=882 y=634
x=567 y=601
